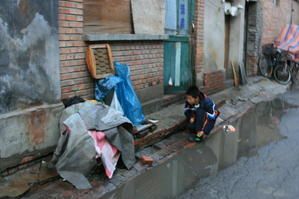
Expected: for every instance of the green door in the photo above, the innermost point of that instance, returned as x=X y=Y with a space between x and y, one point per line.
x=178 y=67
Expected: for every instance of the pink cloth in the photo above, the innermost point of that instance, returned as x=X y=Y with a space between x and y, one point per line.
x=288 y=40
x=108 y=153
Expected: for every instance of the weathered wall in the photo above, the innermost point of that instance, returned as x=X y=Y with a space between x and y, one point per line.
x=275 y=17
x=265 y=22
x=214 y=28
x=214 y=72
x=29 y=62
x=236 y=45
x=144 y=57
x=29 y=79
x=254 y=33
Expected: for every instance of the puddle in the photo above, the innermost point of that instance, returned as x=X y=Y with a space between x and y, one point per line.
x=170 y=179
x=257 y=128
x=268 y=165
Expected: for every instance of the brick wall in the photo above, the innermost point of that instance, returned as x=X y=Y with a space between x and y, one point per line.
x=74 y=75
x=275 y=17
x=144 y=58
x=254 y=33
x=214 y=82
x=265 y=22
x=199 y=37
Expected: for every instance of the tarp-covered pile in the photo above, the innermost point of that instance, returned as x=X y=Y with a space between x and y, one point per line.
x=90 y=130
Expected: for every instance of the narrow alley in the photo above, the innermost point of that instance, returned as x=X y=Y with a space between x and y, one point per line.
x=149 y=99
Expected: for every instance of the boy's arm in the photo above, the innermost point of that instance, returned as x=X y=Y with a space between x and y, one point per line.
x=210 y=108
x=188 y=110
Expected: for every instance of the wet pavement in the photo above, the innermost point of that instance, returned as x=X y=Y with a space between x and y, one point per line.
x=272 y=171
x=179 y=164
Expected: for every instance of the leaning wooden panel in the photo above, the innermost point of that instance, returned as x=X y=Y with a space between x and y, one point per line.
x=107 y=16
x=99 y=61
x=148 y=16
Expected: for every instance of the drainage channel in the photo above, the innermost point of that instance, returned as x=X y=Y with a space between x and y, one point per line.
x=256 y=128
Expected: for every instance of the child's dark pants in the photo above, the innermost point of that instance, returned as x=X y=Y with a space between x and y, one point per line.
x=201 y=123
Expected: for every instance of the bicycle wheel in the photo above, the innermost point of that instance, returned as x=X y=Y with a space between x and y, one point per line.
x=282 y=74
x=265 y=66
x=295 y=73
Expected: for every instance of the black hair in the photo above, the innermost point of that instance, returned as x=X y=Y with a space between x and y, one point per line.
x=195 y=92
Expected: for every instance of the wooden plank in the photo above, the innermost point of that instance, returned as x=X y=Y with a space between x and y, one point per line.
x=236 y=79
x=107 y=16
x=243 y=76
x=148 y=16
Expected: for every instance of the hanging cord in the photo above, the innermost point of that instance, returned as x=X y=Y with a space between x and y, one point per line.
x=292 y=10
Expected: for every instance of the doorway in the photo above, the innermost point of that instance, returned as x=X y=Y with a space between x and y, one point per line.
x=178 y=64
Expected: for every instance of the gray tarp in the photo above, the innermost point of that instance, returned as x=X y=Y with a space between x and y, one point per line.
x=77 y=147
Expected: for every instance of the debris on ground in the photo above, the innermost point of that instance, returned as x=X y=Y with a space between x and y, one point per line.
x=146 y=160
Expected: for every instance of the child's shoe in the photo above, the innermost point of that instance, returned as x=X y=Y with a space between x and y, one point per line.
x=195 y=138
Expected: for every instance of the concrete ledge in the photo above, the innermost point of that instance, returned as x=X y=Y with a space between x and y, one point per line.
x=30 y=132
x=124 y=37
x=238 y=101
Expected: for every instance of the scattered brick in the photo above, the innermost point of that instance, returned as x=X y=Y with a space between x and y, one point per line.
x=146 y=160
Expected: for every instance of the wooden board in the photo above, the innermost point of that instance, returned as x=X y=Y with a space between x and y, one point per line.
x=107 y=16
x=148 y=16
x=236 y=78
x=243 y=76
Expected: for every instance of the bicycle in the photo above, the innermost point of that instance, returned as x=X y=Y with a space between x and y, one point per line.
x=294 y=72
x=287 y=72
x=268 y=60
x=276 y=63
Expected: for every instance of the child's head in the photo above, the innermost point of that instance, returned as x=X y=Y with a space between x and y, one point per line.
x=194 y=95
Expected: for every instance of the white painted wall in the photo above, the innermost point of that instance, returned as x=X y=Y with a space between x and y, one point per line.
x=214 y=33
x=214 y=36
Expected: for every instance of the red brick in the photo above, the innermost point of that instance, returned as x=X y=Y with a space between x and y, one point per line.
x=72 y=11
x=75 y=75
x=68 y=17
x=71 y=44
x=71 y=24
x=27 y=159
x=64 y=57
x=70 y=30
x=72 y=50
x=69 y=4
x=72 y=62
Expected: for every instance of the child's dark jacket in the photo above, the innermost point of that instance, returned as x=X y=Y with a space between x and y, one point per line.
x=205 y=114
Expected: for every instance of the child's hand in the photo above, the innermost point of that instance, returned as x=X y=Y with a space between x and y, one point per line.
x=192 y=120
x=200 y=133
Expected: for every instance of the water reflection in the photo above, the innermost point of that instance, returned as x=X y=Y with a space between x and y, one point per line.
x=258 y=127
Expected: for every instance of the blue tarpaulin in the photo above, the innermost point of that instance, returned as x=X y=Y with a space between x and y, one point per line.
x=126 y=95
x=125 y=92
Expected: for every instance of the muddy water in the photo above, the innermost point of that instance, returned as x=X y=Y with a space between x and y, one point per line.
x=257 y=128
x=272 y=171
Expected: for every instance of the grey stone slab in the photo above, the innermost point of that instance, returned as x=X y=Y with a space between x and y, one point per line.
x=124 y=37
